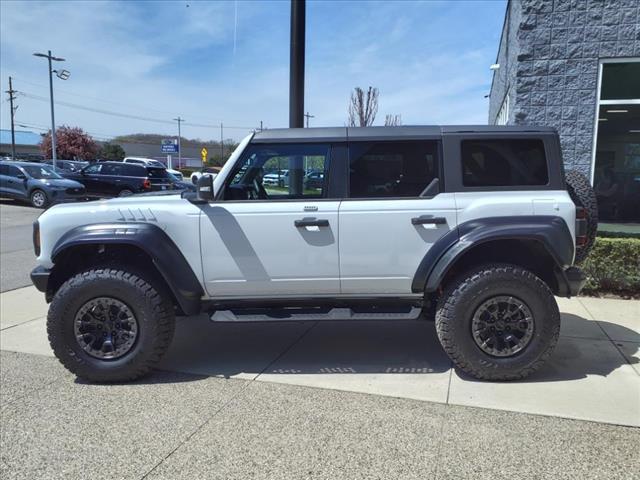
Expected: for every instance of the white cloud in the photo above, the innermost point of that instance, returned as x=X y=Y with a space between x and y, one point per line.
x=165 y=59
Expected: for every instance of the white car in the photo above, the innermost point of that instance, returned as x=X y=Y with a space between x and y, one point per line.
x=477 y=228
x=195 y=176
x=280 y=179
x=152 y=163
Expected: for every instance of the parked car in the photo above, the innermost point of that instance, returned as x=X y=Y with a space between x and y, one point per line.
x=37 y=183
x=280 y=179
x=68 y=165
x=476 y=228
x=179 y=184
x=150 y=162
x=213 y=171
x=314 y=180
x=116 y=179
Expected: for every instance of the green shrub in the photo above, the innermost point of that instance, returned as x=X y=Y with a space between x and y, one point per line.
x=613 y=266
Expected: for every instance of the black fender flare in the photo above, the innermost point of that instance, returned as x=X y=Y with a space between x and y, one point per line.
x=550 y=231
x=155 y=242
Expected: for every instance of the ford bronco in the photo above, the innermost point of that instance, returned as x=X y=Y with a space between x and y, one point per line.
x=475 y=227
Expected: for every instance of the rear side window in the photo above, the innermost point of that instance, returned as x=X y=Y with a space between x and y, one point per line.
x=157 y=173
x=133 y=171
x=112 y=169
x=504 y=163
x=391 y=169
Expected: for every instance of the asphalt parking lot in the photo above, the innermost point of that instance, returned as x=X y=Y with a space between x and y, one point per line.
x=316 y=400
x=16 y=247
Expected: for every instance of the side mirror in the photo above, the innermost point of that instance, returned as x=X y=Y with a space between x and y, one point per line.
x=22 y=176
x=205 y=188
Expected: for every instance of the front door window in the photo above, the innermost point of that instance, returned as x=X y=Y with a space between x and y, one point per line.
x=276 y=172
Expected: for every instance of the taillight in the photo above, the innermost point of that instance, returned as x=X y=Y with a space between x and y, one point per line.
x=581 y=226
x=36 y=238
x=146 y=183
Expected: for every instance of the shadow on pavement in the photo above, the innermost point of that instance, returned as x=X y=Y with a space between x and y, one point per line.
x=157 y=377
x=206 y=348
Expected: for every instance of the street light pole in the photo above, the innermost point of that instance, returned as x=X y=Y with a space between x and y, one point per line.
x=63 y=75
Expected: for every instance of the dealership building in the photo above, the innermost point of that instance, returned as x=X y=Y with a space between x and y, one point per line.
x=575 y=65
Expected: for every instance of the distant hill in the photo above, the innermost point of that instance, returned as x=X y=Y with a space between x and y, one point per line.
x=155 y=139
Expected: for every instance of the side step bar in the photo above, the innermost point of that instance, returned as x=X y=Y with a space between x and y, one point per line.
x=310 y=314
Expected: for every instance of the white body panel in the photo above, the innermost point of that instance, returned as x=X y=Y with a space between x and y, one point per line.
x=380 y=249
x=177 y=217
x=254 y=249
x=472 y=205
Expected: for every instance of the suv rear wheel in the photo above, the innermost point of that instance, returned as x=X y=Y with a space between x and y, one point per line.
x=498 y=322
x=109 y=325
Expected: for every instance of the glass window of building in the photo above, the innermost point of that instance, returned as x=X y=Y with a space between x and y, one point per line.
x=617 y=158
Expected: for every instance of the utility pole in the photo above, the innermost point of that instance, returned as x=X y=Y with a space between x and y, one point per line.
x=296 y=88
x=179 y=120
x=11 y=91
x=63 y=75
x=260 y=125
x=307 y=116
x=221 y=142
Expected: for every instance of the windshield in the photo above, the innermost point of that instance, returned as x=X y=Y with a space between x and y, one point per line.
x=40 y=171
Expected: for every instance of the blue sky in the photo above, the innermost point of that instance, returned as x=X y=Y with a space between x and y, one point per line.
x=229 y=61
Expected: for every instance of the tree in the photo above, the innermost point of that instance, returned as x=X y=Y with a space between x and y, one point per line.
x=392 y=120
x=71 y=143
x=363 y=108
x=112 y=151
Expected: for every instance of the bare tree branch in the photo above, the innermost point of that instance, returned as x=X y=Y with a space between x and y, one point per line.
x=363 y=109
x=392 y=120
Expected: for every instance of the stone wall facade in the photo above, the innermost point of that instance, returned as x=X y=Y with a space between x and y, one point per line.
x=549 y=57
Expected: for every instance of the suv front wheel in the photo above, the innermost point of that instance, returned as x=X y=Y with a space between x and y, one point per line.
x=109 y=325
x=498 y=322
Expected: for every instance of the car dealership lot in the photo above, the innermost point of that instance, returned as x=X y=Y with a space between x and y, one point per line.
x=16 y=248
x=315 y=399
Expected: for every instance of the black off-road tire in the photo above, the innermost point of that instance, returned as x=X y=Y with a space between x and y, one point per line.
x=583 y=195
x=150 y=304
x=463 y=296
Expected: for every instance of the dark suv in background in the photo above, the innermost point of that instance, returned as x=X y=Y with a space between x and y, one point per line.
x=117 y=179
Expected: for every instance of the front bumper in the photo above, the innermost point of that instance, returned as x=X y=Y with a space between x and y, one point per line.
x=570 y=281
x=40 y=278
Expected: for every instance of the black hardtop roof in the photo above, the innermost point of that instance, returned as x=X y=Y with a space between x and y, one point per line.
x=409 y=132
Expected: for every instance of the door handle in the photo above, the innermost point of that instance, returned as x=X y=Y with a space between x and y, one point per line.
x=428 y=220
x=311 y=222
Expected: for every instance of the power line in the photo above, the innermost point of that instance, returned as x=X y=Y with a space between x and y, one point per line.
x=127 y=105
x=125 y=115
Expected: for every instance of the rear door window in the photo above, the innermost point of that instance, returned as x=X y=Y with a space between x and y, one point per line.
x=133 y=171
x=391 y=169
x=504 y=163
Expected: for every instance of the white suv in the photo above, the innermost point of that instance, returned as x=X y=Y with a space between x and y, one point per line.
x=152 y=163
x=477 y=227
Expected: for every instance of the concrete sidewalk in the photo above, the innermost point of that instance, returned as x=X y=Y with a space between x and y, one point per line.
x=593 y=375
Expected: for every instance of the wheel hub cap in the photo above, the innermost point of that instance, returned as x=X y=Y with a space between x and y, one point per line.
x=105 y=328
x=502 y=326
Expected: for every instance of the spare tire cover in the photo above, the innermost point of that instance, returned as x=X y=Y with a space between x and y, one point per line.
x=584 y=196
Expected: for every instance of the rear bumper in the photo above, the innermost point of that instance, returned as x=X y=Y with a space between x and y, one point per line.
x=570 y=282
x=40 y=278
